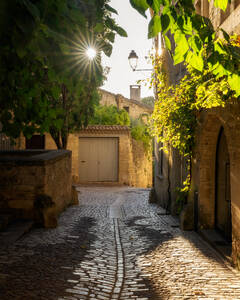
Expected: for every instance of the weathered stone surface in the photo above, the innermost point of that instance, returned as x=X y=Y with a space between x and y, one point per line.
x=27 y=174
x=141 y=256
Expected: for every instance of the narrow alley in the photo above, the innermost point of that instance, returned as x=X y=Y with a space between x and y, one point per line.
x=114 y=245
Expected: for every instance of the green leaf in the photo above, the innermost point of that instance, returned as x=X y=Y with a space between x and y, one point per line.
x=21 y=52
x=167 y=42
x=32 y=9
x=64 y=48
x=194 y=43
x=221 y=4
x=110 y=23
x=56 y=92
x=154 y=26
x=110 y=36
x=234 y=82
x=140 y=5
x=165 y=22
x=196 y=61
x=111 y=9
x=226 y=35
x=120 y=31
x=107 y=49
x=181 y=46
x=155 y=5
x=99 y=27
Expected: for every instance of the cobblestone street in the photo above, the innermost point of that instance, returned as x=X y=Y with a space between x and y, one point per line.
x=114 y=245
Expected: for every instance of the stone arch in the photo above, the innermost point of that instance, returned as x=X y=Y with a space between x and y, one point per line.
x=211 y=122
x=207 y=171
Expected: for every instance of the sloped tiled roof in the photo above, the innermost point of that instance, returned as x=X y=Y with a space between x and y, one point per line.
x=109 y=128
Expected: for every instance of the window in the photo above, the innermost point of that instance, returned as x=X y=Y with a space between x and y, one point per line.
x=126 y=108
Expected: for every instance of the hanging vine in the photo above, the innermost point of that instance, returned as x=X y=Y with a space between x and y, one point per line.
x=174 y=119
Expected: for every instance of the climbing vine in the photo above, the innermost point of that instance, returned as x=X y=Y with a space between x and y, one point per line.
x=174 y=119
x=177 y=106
x=193 y=34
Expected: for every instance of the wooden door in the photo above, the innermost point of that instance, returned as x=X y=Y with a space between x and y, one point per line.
x=98 y=159
x=223 y=218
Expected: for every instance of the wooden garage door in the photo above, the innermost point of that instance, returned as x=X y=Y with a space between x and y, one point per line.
x=98 y=159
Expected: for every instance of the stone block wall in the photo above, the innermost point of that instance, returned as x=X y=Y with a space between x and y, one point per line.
x=135 y=108
x=135 y=167
x=204 y=171
x=141 y=170
x=27 y=174
x=171 y=178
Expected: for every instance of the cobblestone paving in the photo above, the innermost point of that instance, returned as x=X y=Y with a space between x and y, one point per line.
x=114 y=245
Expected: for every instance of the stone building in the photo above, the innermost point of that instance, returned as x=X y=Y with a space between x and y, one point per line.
x=170 y=167
x=134 y=107
x=105 y=154
x=213 y=204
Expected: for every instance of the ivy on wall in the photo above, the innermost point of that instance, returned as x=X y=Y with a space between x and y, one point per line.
x=177 y=106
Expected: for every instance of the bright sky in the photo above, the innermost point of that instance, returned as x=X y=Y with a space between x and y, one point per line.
x=121 y=75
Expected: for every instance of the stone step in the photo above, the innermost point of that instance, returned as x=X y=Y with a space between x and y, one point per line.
x=223 y=247
x=14 y=232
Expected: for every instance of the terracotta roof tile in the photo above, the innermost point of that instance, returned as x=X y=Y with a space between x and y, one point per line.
x=106 y=128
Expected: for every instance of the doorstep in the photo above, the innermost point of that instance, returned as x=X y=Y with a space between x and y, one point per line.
x=215 y=239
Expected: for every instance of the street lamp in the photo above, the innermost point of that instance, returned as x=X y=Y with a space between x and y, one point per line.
x=133 y=61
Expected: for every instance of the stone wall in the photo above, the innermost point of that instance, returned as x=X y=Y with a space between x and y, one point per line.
x=134 y=107
x=168 y=177
x=204 y=170
x=135 y=167
x=26 y=175
x=141 y=170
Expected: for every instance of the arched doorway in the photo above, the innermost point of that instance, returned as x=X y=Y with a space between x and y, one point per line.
x=223 y=219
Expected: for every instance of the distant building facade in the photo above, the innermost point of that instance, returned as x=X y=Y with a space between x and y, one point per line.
x=105 y=154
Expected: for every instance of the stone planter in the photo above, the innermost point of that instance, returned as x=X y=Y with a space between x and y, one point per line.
x=28 y=175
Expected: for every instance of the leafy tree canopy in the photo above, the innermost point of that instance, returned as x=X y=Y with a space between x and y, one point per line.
x=193 y=35
x=45 y=77
x=110 y=115
x=148 y=100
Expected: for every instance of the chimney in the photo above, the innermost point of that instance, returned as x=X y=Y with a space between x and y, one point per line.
x=135 y=92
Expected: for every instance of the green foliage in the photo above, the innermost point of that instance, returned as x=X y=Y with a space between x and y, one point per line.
x=148 y=100
x=193 y=35
x=46 y=81
x=140 y=132
x=177 y=106
x=176 y=110
x=110 y=115
x=182 y=194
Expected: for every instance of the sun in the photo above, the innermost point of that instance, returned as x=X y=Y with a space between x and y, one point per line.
x=91 y=53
